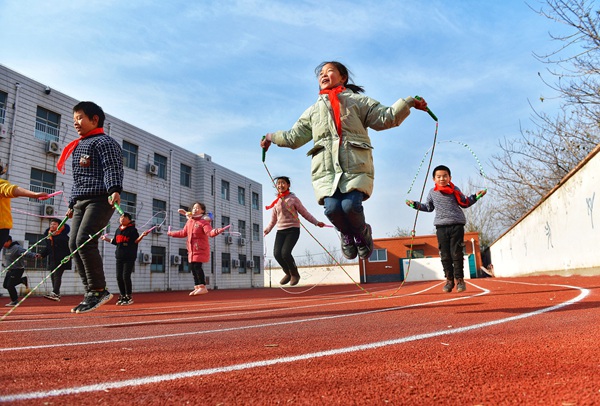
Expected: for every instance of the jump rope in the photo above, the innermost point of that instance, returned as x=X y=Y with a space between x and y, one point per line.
x=429 y=152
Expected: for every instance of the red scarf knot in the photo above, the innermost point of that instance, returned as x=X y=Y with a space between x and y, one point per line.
x=451 y=190
x=335 y=106
x=66 y=153
x=279 y=196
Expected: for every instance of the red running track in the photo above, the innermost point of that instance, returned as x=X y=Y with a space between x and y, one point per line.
x=503 y=341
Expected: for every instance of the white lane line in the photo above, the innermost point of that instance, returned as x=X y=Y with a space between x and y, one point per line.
x=257 y=364
x=219 y=315
x=256 y=326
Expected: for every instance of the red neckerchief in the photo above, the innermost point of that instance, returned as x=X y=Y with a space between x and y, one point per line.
x=53 y=233
x=279 y=196
x=122 y=227
x=66 y=153
x=451 y=190
x=335 y=106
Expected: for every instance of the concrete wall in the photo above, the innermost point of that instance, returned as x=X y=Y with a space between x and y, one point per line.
x=319 y=275
x=561 y=234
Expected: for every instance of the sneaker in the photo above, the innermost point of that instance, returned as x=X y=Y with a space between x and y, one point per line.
x=285 y=279
x=74 y=310
x=12 y=304
x=127 y=301
x=201 y=290
x=448 y=286
x=120 y=301
x=364 y=243
x=94 y=300
x=460 y=285
x=349 y=247
x=52 y=296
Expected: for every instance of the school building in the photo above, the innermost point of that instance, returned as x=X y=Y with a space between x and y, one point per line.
x=36 y=122
x=415 y=258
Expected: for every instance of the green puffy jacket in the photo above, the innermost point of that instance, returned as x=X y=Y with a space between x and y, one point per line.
x=348 y=165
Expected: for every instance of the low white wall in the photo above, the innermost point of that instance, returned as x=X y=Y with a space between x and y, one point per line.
x=560 y=235
x=318 y=275
x=428 y=269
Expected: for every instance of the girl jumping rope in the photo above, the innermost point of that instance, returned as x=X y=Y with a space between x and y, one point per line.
x=342 y=163
x=197 y=230
x=285 y=214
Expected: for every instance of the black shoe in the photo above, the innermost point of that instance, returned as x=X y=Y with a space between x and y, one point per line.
x=364 y=243
x=52 y=296
x=285 y=279
x=460 y=285
x=12 y=304
x=94 y=300
x=448 y=286
x=127 y=301
x=74 y=310
x=349 y=246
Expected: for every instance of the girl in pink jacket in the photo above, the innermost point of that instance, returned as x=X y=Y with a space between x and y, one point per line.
x=197 y=230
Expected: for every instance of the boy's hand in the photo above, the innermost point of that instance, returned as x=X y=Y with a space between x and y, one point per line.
x=265 y=142
x=480 y=194
x=410 y=203
x=420 y=103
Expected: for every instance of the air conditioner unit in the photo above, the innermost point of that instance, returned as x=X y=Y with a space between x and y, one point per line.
x=235 y=263
x=48 y=210
x=250 y=264
x=157 y=230
x=175 y=259
x=242 y=241
x=145 y=258
x=52 y=148
x=228 y=239
x=3 y=130
x=153 y=169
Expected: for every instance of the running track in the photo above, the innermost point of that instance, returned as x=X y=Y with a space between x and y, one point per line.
x=504 y=341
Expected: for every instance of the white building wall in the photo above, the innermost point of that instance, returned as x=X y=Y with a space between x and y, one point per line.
x=560 y=235
x=22 y=151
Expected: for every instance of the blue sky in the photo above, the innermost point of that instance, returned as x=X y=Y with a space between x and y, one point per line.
x=214 y=76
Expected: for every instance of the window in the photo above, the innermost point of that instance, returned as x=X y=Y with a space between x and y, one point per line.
x=47 y=124
x=241 y=196
x=224 y=190
x=42 y=181
x=35 y=263
x=256 y=232
x=255 y=201
x=242 y=268
x=3 y=98
x=378 y=255
x=225 y=262
x=185 y=265
x=129 y=203
x=130 y=155
x=158 y=259
x=182 y=218
x=185 y=175
x=161 y=162
x=242 y=228
x=256 y=260
x=225 y=221
x=159 y=211
x=416 y=254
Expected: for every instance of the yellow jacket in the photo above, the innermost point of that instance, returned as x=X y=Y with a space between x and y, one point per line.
x=6 y=193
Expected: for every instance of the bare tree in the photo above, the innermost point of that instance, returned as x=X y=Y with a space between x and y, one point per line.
x=400 y=232
x=530 y=166
x=481 y=217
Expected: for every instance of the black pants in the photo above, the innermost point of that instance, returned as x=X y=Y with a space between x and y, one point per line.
x=285 y=241
x=56 y=279
x=451 y=245
x=13 y=278
x=124 y=271
x=89 y=217
x=198 y=272
x=4 y=233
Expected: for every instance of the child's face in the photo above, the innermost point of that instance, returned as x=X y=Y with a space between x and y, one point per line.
x=83 y=124
x=53 y=225
x=124 y=220
x=330 y=77
x=282 y=185
x=196 y=209
x=441 y=178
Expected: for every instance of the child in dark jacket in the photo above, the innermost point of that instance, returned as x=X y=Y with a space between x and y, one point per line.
x=126 y=239
x=57 y=248
x=448 y=201
x=14 y=275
